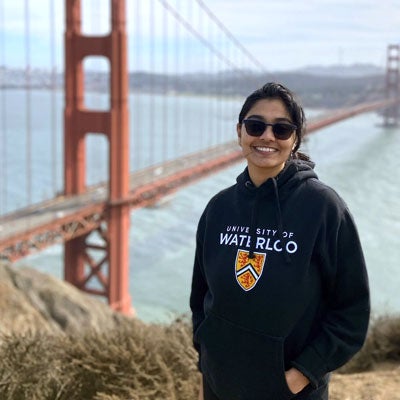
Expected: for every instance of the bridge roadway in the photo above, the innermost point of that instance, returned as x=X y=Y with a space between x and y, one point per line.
x=64 y=217
x=60 y=219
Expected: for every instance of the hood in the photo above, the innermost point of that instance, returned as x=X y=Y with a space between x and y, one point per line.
x=292 y=175
x=281 y=186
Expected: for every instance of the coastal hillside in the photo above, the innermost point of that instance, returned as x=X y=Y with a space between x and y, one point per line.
x=58 y=343
x=316 y=86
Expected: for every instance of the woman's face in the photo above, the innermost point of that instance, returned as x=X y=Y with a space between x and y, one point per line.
x=266 y=155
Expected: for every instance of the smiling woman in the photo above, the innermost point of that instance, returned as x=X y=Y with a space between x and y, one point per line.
x=284 y=301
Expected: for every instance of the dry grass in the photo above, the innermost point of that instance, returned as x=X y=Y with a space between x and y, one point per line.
x=382 y=346
x=132 y=361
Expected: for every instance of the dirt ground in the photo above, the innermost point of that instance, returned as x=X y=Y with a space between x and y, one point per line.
x=382 y=384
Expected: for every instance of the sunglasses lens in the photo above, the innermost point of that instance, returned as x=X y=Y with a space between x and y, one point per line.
x=283 y=131
x=254 y=128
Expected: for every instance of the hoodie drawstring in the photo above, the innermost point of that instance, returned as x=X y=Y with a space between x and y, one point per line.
x=254 y=217
x=279 y=220
x=253 y=223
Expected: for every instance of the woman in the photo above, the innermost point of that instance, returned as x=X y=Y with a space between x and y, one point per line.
x=280 y=291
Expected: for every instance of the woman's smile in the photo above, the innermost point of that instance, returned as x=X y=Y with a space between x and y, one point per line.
x=265 y=149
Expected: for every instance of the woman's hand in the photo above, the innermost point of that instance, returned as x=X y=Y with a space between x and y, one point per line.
x=295 y=380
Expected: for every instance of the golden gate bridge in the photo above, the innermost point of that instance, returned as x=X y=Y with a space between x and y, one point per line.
x=72 y=213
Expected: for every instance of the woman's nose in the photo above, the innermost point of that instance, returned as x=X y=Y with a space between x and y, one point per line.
x=268 y=133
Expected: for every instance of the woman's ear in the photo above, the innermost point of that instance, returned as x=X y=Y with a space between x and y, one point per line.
x=294 y=143
x=239 y=133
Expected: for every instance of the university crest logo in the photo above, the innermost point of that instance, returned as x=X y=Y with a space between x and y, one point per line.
x=248 y=270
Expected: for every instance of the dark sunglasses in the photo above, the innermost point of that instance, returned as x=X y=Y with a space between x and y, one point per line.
x=281 y=130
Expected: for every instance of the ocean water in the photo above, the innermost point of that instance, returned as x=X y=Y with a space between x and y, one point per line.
x=358 y=157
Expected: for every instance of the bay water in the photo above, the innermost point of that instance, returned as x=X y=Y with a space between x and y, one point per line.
x=358 y=157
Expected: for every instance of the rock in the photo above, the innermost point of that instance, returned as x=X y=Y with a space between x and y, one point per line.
x=17 y=314
x=31 y=300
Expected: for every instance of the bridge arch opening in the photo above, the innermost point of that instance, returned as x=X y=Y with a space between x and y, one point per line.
x=97 y=156
x=97 y=83
x=96 y=17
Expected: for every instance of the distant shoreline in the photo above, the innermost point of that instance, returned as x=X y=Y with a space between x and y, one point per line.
x=315 y=86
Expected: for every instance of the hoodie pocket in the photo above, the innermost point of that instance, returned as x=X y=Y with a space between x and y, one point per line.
x=240 y=364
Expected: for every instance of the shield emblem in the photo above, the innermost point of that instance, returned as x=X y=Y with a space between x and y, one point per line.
x=248 y=270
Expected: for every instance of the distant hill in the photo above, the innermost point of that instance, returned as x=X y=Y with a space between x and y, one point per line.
x=344 y=71
x=316 y=86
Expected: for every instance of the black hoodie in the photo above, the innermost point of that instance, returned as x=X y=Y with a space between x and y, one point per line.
x=279 y=281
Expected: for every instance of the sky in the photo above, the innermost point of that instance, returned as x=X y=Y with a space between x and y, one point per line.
x=278 y=34
x=290 y=33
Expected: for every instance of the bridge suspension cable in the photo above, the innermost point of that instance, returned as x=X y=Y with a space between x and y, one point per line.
x=230 y=35
x=28 y=103
x=3 y=111
x=53 y=88
x=208 y=44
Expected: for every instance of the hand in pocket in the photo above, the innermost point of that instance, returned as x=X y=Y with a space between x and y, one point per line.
x=295 y=380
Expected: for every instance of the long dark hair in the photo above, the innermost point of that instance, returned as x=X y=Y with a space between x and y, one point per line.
x=272 y=90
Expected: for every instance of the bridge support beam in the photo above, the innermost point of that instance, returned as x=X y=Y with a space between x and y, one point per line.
x=392 y=114
x=83 y=261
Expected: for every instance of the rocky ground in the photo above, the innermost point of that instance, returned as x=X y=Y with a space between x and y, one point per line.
x=381 y=384
x=31 y=301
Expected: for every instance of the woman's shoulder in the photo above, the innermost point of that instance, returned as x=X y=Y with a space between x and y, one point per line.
x=318 y=191
x=223 y=195
x=222 y=200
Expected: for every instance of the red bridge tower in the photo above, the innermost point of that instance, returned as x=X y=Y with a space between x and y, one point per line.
x=80 y=267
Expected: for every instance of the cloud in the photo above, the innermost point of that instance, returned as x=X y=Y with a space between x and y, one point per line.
x=281 y=34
